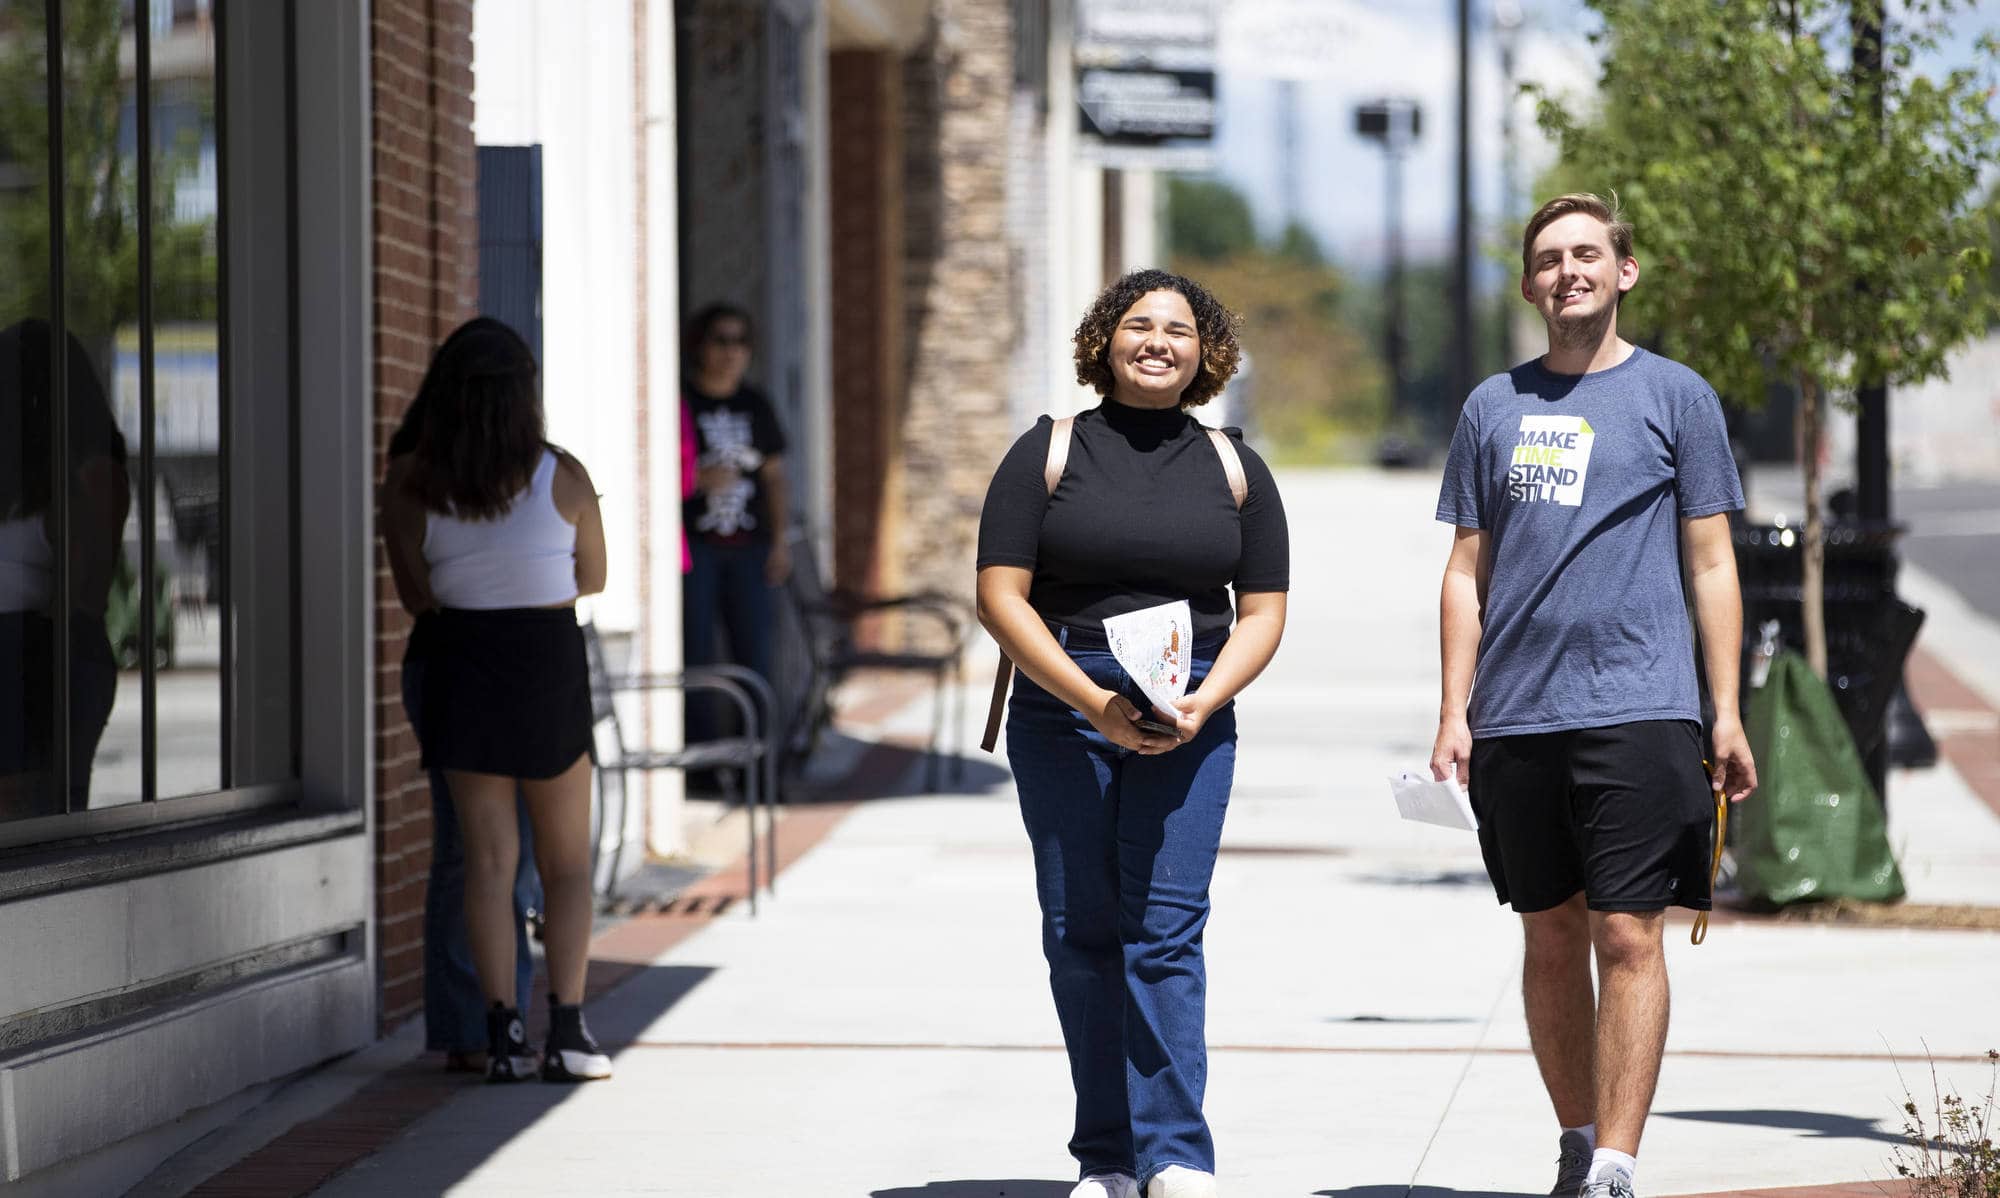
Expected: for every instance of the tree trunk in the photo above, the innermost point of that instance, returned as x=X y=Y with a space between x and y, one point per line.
x=1812 y=574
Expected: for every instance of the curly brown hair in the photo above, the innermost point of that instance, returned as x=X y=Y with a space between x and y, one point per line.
x=1214 y=324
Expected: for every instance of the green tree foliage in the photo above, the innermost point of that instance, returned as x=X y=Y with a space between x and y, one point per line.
x=1784 y=231
x=1313 y=381
x=1298 y=244
x=1207 y=220
x=100 y=189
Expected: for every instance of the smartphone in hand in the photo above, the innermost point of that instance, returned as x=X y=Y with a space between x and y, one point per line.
x=1146 y=725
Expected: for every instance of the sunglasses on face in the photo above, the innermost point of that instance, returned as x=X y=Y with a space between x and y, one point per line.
x=729 y=341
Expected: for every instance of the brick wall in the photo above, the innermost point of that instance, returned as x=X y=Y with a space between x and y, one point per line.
x=962 y=307
x=426 y=263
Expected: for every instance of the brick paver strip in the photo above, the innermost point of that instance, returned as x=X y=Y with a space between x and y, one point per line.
x=1974 y=753
x=309 y=1155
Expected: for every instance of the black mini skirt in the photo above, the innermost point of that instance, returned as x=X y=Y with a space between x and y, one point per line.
x=505 y=691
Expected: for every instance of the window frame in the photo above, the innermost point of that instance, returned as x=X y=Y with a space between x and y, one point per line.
x=294 y=253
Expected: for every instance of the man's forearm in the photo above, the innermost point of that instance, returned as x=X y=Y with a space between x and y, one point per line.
x=1718 y=613
x=1458 y=642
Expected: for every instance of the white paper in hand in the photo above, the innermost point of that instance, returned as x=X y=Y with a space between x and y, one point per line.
x=1155 y=645
x=1421 y=798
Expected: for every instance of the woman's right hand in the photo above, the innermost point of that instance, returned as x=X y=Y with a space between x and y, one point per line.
x=1117 y=718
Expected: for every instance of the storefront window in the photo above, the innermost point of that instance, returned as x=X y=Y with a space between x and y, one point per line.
x=115 y=647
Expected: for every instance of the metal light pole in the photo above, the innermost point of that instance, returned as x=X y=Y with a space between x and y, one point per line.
x=1507 y=27
x=1461 y=291
x=1291 y=189
x=1871 y=443
x=1394 y=123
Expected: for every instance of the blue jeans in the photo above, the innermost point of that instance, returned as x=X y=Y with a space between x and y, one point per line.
x=1124 y=848
x=454 y=1006
x=727 y=615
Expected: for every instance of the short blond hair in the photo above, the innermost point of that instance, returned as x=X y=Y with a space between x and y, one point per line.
x=1588 y=203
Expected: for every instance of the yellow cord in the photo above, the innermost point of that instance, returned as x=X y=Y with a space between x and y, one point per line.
x=1700 y=932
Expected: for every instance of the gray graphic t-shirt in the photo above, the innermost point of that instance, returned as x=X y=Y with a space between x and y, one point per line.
x=1580 y=482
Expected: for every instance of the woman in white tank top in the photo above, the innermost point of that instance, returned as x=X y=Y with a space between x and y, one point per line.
x=492 y=536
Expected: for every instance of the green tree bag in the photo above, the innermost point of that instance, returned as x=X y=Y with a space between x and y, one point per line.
x=1814 y=829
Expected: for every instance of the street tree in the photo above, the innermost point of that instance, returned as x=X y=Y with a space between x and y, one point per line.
x=99 y=176
x=1789 y=226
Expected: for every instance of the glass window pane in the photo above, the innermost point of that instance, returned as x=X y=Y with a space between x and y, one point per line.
x=187 y=412
x=29 y=493
x=101 y=303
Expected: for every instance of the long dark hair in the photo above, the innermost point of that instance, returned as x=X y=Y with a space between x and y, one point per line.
x=474 y=432
x=27 y=417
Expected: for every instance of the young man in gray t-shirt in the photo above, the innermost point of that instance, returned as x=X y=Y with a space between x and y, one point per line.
x=1578 y=483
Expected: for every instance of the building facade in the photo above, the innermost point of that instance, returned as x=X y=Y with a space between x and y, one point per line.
x=214 y=832
x=189 y=879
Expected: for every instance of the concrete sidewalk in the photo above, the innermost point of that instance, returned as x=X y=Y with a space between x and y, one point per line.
x=884 y=1028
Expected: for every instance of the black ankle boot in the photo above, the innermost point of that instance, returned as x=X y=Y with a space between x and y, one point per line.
x=508 y=1056
x=570 y=1054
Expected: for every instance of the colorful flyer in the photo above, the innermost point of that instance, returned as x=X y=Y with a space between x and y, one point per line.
x=1156 y=647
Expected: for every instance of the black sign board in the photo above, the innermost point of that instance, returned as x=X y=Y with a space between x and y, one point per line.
x=1137 y=105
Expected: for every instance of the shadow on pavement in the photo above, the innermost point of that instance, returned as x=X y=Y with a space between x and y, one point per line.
x=889 y=770
x=1820 y=1126
x=1406 y=1191
x=981 y=1189
x=1402 y=1019
x=622 y=1015
x=1427 y=877
x=439 y=1147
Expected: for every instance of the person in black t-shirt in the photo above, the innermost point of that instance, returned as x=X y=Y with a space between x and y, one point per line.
x=1125 y=818
x=738 y=519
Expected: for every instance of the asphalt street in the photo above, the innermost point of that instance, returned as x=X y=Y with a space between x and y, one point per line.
x=1954 y=533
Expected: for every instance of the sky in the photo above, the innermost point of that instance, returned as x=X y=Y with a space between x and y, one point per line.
x=1345 y=52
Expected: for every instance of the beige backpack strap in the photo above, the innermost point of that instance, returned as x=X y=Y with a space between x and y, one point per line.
x=1052 y=472
x=1052 y=469
x=1232 y=465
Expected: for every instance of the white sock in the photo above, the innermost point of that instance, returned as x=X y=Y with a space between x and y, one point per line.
x=1603 y=1160
x=1588 y=1131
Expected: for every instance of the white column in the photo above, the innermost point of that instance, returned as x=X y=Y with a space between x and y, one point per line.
x=815 y=499
x=663 y=826
x=1140 y=196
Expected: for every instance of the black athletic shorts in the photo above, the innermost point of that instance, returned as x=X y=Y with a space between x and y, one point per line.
x=1623 y=814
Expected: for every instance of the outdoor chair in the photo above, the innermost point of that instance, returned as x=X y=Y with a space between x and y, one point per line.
x=826 y=624
x=754 y=753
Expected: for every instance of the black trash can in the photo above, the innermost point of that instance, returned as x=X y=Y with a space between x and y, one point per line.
x=1869 y=629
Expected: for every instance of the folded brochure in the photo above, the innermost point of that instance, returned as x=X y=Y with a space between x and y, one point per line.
x=1155 y=645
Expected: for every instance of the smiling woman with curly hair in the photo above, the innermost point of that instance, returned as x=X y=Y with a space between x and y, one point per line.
x=1215 y=326
x=1131 y=506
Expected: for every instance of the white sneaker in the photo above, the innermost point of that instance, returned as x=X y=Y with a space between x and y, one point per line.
x=1179 y=1181
x=1107 y=1185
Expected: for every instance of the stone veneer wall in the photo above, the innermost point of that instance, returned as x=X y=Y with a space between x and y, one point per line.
x=962 y=299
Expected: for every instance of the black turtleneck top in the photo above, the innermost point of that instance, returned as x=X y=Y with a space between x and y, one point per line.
x=1143 y=516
